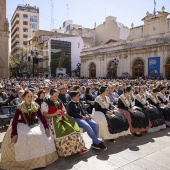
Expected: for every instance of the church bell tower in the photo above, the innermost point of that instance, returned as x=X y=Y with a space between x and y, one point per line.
x=4 y=35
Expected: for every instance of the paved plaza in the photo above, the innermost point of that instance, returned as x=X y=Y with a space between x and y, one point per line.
x=151 y=152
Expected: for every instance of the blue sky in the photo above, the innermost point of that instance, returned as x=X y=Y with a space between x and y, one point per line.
x=86 y=12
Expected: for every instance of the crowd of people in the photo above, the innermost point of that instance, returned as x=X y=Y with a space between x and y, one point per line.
x=50 y=114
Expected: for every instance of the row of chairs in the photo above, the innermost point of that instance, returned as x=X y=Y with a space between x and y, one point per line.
x=6 y=114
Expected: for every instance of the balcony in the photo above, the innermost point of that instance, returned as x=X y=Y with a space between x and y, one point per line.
x=14 y=19
x=14 y=32
x=15 y=48
x=15 y=23
x=45 y=58
x=15 y=26
x=15 y=45
x=14 y=41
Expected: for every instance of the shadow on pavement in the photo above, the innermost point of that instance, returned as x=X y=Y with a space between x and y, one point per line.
x=128 y=142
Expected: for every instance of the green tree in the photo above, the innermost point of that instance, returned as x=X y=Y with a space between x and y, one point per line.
x=18 y=63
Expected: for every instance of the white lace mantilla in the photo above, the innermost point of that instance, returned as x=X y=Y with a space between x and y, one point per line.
x=141 y=99
x=126 y=102
x=103 y=103
x=162 y=96
x=154 y=99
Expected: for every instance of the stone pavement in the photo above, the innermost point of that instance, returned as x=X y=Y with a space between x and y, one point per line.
x=151 y=152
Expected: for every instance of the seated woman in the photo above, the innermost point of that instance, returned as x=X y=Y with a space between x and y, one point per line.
x=154 y=115
x=76 y=110
x=137 y=120
x=164 y=104
x=113 y=96
x=41 y=95
x=89 y=100
x=111 y=123
x=30 y=145
x=66 y=132
x=20 y=98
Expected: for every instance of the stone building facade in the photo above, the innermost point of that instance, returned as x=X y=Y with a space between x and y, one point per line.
x=24 y=22
x=110 y=29
x=146 y=52
x=4 y=33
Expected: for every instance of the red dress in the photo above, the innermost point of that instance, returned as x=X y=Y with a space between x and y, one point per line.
x=33 y=148
x=18 y=117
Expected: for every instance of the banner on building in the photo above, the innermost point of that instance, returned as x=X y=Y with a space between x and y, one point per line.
x=153 y=66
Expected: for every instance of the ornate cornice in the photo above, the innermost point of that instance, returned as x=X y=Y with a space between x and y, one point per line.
x=142 y=45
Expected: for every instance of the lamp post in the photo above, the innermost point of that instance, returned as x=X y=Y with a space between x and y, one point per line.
x=138 y=74
x=78 y=68
x=116 y=62
x=34 y=61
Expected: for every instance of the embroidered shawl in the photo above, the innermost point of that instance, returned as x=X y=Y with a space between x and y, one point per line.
x=141 y=99
x=104 y=104
x=162 y=96
x=126 y=102
x=154 y=99
x=23 y=109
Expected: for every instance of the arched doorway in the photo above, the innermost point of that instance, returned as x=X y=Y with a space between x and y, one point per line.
x=138 y=68
x=111 y=70
x=167 y=69
x=92 y=70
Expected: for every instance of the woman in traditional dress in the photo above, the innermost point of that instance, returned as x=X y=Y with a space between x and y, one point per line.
x=137 y=120
x=154 y=115
x=164 y=104
x=111 y=123
x=66 y=131
x=26 y=144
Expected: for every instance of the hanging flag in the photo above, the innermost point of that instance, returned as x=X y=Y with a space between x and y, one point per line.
x=154 y=3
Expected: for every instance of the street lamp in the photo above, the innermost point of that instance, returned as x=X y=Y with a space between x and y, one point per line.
x=138 y=73
x=116 y=62
x=78 y=68
x=34 y=61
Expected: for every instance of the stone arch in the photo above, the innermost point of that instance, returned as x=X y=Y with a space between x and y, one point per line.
x=92 y=70
x=112 y=68
x=138 y=66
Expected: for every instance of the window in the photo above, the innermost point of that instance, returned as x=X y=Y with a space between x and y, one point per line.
x=24 y=43
x=25 y=36
x=33 y=25
x=25 y=16
x=25 y=23
x=33 y=18
x=25 y=30
x=92 y=66
x=138 y=62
